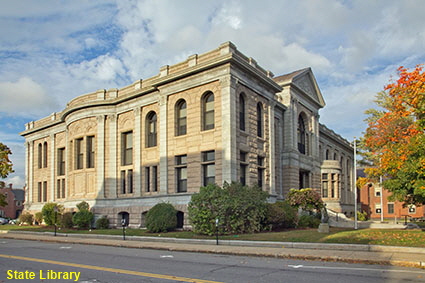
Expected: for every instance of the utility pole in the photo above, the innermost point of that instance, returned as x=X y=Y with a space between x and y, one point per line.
x=382 y=205
x=355 y=184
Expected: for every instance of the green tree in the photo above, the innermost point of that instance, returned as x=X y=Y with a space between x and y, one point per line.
x=5 y=163
x=3 y=201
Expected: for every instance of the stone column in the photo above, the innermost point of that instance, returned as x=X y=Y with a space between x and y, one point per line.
x=272 y=140
x=163 y=149
x=294 y=125
x=113 y=157
x=30 y=172
x=52 y=167
x=100 y=157
x=228 y=134
x=137 y=152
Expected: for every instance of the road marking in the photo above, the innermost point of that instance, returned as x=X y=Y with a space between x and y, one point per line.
x=116 y=270
x=65 y=247
x=164 y=256
x=355 y=269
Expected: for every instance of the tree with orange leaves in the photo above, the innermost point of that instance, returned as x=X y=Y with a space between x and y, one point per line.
x=395 y=138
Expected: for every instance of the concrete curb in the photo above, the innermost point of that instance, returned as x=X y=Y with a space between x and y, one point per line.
x=350 y=253
x=241 y=243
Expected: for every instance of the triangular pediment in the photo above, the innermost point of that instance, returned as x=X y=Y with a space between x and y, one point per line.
x=305 y=82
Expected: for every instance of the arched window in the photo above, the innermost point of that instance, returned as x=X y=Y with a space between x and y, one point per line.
x=151 y=129
x=181 y=115
x=208 y=111
x=259 y=120
x=301 y=133
x=242 y=112
x=45 y=155
x=40 y=155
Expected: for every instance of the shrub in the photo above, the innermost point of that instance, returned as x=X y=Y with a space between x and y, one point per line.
x=83 y=206
x=362 y=216
x=281 y=215
x=102 y=223
x=27 y=218
x=161 y=218
x=308 y=221
x=240 y=209
x=84 y=217
x=66 y=220
x=306 y=199
x=38 y=217
x=49 y=214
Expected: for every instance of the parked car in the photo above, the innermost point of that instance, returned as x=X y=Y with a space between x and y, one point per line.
x=3 y=221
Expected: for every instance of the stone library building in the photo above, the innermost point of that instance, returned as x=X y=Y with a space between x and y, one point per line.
x=216 y=117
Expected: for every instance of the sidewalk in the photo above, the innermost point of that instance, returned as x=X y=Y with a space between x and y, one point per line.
x=369 y=254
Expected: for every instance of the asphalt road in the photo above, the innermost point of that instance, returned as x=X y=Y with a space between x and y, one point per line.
x=41 y=260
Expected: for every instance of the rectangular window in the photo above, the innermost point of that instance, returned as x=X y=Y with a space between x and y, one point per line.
x=58 y=188
x=44 y=191
x=39 y=192
x=155 y=178
x=90 y=152
x=127 y=148
x=63 y=188
x=208 y=165
x=147 y=179
x=181 y=173
x=79 y=154
x=260 y=172
x=377 y=191
x=243 y=167
x=61 y=161
x=123 y=182
x=378 y=208
x=325 y=185
x=391 y=208
x=130 y=181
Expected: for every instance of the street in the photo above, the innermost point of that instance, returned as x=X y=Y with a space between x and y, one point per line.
x=33 y=261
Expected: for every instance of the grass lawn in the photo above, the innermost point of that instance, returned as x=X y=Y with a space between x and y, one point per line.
x=406 y=238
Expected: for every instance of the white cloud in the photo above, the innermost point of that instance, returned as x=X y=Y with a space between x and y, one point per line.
x=25 y=97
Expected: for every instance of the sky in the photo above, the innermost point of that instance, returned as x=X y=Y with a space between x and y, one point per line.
x=52 y=51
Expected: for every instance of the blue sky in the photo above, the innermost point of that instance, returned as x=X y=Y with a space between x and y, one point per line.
x=52 y=51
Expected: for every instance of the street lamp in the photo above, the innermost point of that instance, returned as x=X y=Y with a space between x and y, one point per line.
x=216 y=231
x=123 y=223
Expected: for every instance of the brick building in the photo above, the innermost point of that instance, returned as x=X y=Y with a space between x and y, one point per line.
x=215 y=117
x=15 y=201
x=370 y=199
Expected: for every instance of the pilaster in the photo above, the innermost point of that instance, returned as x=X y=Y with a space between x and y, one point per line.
x=137 y=152
x=163 y=156
x=100 y=157
x=228 y=119
x=112 y=143
x=52 y=166
x=272 y=140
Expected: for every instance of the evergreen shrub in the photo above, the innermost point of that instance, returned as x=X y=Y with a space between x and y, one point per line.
x=161 y=218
